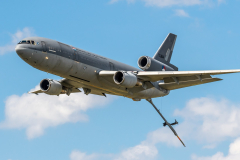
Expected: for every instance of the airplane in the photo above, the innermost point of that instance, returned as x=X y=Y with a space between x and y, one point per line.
x=98 y=75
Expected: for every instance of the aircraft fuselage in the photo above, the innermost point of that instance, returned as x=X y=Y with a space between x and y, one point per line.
x=81 y=66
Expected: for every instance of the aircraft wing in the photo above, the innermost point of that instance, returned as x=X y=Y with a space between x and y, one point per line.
x=177 y=79
x=65 y=83
x=74 y=90
x=74 y=86
x=161 y=75
x=180 y=79
x=94 y=90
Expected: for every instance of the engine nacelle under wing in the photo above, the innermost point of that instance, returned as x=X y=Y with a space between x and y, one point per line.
x=126 y=79
x=51 y=87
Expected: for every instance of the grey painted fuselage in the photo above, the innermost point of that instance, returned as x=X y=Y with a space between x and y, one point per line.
x=81 y=67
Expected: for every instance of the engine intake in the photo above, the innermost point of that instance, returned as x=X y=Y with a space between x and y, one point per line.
x=149 y=64
x=144 y=62
x=51 y=87
x=126 y=79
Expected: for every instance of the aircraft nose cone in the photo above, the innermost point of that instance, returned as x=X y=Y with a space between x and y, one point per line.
x=23 y=51
x=20 y=50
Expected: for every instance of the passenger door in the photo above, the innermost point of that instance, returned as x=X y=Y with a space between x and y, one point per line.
x=44 y=47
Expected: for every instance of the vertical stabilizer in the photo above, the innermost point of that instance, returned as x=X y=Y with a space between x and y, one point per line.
x=164 y=52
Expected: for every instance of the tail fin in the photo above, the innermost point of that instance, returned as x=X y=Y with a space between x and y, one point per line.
x=164 y=53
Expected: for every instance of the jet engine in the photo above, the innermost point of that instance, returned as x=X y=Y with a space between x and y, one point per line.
x=126 y=79
x=149 y=64
x=51 y=87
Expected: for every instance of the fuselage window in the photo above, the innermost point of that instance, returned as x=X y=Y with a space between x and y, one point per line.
x=32 y=42
x=28 y=42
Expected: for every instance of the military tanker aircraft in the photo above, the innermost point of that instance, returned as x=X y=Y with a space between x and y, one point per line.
x=98 y=75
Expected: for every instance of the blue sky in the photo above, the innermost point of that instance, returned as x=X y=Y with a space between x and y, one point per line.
x=95 y=128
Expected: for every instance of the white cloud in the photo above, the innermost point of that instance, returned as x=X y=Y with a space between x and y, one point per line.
x=181 y=13
x=209 y=120
x=19 y=35
x=38 y=112
x=115 y=1
x=221 y=1
x=210 y=146
x=139 y=152
x=233 y=154
x=205 y=120
x=77 y=155
x=165 y=135
x=170 y=3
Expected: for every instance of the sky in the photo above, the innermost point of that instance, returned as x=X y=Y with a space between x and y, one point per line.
x=81 y=127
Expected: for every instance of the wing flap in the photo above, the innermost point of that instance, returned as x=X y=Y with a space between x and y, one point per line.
x=183 y=84
x=186 y=78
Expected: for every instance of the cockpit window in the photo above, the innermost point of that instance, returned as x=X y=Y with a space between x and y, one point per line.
x=22 y=42
x=27 y=42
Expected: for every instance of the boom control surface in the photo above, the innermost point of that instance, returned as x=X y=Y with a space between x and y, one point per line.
x=166 y=122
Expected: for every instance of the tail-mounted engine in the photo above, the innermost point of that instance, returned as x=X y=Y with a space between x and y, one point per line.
x=51 y=87
x=149 y=64
x=126 y=79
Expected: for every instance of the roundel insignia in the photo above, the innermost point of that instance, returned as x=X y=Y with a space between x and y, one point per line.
x=37 y=43
x=163 y=68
